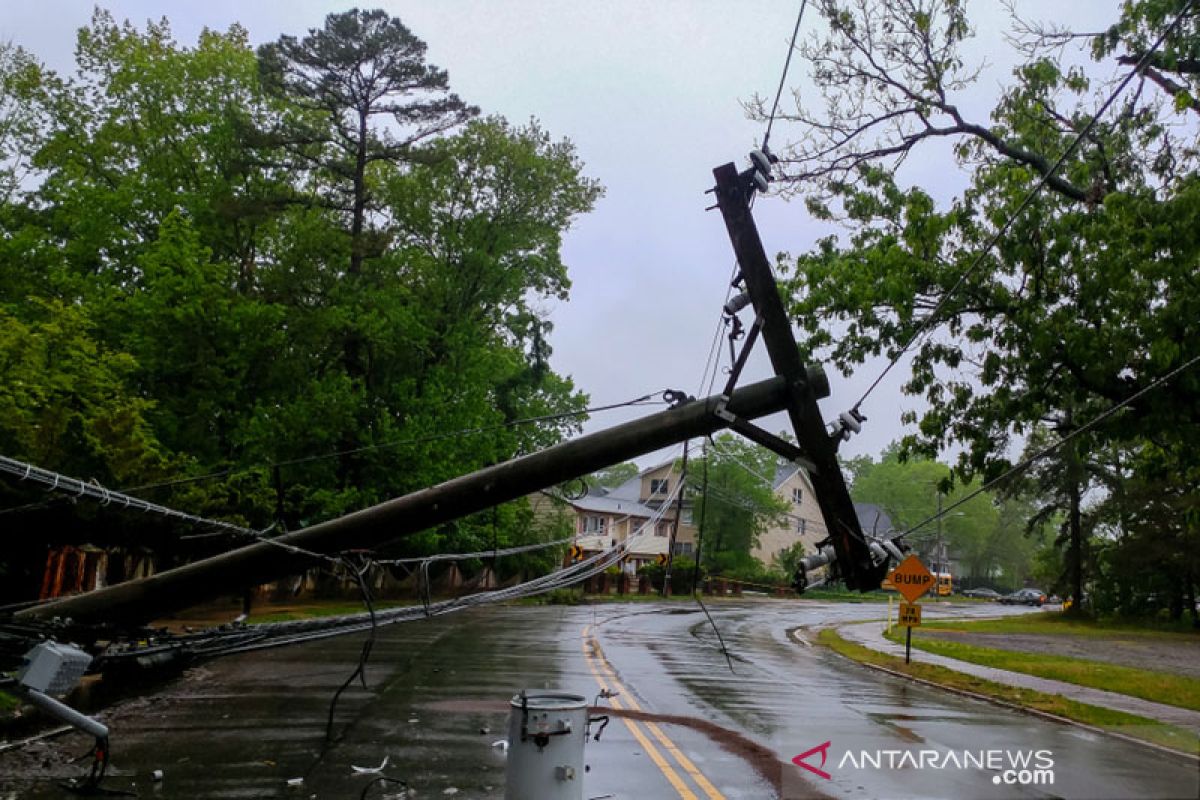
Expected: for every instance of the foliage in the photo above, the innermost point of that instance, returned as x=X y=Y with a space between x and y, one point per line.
x=683 y=570
x=1088 y=295
x=360 y=65
x=612 y=477
x=786 y=563
x=237 y=282
x=736 y=502
x=990 y=537
x=65 y=401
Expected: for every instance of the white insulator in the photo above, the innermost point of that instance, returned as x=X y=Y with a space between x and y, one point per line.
x=850 y=422
x=737 y=303
x=761 y=162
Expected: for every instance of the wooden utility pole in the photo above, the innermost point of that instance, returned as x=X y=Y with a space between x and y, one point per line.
x=666 y=592
x=228 y=573
x=815 y=446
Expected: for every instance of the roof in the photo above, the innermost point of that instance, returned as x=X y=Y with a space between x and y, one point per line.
x=607 y=504
x=632 y=488
x=785 y=470
x=873 y=519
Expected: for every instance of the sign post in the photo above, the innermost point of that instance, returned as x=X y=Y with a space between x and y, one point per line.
x=910 y=617
x=912 y=580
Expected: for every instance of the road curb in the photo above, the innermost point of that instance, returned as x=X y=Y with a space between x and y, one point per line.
x=1005 y=704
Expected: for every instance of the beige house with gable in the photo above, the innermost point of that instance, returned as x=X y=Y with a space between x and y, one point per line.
x=802 y=521
x=604 y=518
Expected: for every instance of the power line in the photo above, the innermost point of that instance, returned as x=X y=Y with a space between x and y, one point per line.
x=76 y=488
x=1026 y=202
x=257 y=637
x=783 y=77
x=1053 y=447
x=508 y=551
x=643 y=400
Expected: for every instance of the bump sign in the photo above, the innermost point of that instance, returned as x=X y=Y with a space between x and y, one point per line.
x=912 y=579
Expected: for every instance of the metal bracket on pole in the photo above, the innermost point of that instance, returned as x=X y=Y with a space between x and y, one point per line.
x=740 y=363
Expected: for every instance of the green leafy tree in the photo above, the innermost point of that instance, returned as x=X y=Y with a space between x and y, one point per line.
x=1087 y=297
x=359 y=66
x=735 y=504
x=786 y=562
x=66 y=402
x=148 y=126
x=22 y=88
x=612 y=477
x=280 y=305
x=913 y=490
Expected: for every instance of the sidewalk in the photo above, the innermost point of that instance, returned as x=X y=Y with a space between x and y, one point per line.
x=870 y=634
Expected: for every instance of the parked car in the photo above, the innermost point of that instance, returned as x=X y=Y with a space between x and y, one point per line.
x=1024 y=597
x=982 y=592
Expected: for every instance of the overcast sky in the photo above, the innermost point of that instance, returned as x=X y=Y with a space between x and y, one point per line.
x=649 y=91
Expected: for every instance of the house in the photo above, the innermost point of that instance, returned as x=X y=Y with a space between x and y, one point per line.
x=603 y=518
x=802 y=522
x=874 y=521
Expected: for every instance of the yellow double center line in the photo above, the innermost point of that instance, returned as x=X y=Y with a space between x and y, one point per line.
x=607 y=679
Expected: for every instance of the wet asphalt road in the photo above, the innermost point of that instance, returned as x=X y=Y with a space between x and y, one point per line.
x=241 y=727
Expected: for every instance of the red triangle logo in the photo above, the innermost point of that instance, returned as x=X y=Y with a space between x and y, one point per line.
x=823 y=749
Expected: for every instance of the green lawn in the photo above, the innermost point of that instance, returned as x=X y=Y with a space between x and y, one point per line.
x=1129 y=724
x=1159 y=687
x=1056 y=623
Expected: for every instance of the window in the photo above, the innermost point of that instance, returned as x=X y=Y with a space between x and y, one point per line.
x=658 y=486
x=662 y=529
x=797 y=496
x=593 y=524
x=683 y=548
x=802 y=526
x=686 y=518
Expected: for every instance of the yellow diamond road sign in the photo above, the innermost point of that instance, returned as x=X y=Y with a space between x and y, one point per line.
x=912 y=579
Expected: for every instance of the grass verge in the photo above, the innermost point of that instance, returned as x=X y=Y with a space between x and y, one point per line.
x=1057 y=624
x=1159 y=687
x=1149 y=730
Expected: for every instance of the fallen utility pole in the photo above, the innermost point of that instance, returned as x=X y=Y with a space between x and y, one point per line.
x=147 y=598
x=796 y=389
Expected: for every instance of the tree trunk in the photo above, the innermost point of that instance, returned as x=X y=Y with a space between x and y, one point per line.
x=1191 y=599
x=1075 y=529
x=359 y=214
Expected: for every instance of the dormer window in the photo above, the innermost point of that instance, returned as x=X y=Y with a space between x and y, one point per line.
x=658 y=486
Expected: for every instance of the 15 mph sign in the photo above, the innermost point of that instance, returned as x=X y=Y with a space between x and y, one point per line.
x=912 y=579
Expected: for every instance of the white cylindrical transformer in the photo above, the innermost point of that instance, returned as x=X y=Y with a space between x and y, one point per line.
x=546 y=730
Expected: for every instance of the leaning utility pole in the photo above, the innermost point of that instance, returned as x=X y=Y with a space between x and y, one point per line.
x=816 y=448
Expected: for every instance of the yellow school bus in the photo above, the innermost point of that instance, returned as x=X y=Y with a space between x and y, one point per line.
x=945 y=584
